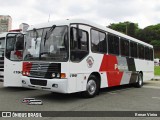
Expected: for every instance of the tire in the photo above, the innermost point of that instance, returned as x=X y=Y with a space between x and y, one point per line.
x=92 y=87
x=139 y=83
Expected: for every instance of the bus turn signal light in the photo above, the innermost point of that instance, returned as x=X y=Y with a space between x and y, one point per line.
x=63 y=75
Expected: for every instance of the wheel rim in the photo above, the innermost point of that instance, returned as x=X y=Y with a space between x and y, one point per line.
x=91 y=87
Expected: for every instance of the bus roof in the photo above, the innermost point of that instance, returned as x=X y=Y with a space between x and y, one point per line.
x=85 y=22
x=5 y=33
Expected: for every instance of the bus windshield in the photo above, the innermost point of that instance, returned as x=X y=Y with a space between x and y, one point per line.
x=14 y=46
x=47 y=44
x=2 y=46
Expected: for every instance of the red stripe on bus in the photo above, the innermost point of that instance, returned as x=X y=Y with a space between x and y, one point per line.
x=109 y=65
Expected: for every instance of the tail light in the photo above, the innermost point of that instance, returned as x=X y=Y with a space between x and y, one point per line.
x=26 y=68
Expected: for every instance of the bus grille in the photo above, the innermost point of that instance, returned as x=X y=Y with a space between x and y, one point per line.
x=38 y=82
x=1 y=65
x=44 y=70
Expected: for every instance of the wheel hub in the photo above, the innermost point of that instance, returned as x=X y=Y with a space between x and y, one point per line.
x=91 y=87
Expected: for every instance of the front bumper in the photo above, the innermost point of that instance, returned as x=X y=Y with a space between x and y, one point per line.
x=54 y=85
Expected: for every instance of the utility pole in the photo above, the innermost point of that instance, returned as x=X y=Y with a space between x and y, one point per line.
x=126 y=28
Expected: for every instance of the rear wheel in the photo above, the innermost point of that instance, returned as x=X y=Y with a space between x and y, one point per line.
x=92 y=87
x=139 y=83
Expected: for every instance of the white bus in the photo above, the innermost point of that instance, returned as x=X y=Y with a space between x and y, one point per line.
x=2 y=46
x=79 y=56
x=11 y=54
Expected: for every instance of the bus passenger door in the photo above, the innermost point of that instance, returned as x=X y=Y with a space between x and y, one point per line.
x=13 y=59
x=79 y=50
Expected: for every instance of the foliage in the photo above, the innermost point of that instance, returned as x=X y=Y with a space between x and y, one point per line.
x=155 y=42
x=150 y=34
x=156 y=70
x=127 y=27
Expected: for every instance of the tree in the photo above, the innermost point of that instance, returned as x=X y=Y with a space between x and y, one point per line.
x=127 y=27
x=149 y=34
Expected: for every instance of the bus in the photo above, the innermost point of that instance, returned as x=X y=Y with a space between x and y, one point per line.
x=11 y=54
x=2 y=46
x=80 y=56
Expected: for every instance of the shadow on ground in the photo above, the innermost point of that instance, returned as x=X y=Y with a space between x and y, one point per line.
x=76 y=96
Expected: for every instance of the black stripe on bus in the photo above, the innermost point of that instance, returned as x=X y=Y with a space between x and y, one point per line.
x=134 y=77
x=131 y=64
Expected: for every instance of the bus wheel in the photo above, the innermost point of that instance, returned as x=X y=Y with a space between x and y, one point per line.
x=92 y=87
x=139 y=84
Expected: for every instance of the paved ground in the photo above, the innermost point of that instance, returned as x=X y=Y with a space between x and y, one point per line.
x=124 y=98
x=157 y=77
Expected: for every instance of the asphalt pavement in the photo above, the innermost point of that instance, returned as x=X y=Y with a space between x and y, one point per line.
x=122 y=98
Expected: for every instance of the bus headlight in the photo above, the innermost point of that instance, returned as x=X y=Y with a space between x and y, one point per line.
x=53 y=75
x=25 y=73
x=58 y=75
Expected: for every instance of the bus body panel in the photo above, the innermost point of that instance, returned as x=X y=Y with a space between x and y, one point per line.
x=13 y=62
x=12 y=73
x=114 y=71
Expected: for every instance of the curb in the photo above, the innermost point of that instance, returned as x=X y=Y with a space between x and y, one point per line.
x=156 y=78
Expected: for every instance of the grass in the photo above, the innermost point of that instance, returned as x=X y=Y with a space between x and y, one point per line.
x=156 y=70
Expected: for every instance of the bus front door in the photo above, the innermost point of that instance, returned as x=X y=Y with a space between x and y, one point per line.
x=13 y=59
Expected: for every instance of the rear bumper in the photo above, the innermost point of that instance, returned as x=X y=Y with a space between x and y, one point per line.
x=54 y=85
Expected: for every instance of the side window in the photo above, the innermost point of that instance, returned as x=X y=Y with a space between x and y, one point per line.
x=151 y=54
x=84 y=41
x=147 y=57
x=79 y=44
x=19 y=42
x=133 y=49
x=124 y=47
x=141 y=51
x=99 y=43
x=113 y=44
x=102 y=43
x=95 y=40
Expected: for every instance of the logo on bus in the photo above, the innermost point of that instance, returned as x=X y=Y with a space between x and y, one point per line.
x=39 y=67
x=90 y=61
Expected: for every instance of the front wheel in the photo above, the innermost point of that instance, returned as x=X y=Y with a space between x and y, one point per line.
x=92 y=87
x=139 y=83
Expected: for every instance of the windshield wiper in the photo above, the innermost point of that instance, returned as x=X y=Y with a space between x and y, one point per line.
x=48 y=33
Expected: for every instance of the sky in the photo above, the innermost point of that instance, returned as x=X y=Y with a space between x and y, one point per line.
x=103 y=12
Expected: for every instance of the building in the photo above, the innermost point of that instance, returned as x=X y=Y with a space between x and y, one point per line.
x=5 y=23
x=24 y=27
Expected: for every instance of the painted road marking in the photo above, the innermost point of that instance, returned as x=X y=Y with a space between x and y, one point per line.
x=156 y=98
x=154 y=87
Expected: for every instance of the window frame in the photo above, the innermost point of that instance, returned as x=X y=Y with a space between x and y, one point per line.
x=77 y=27
x=125 y=40
x=143 y=51
x=134 y=43
x=118 y=43
x=106 y=40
